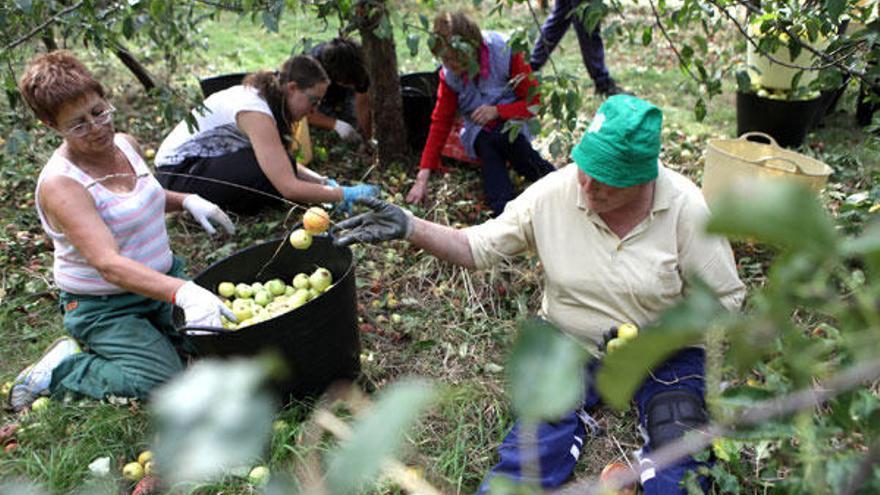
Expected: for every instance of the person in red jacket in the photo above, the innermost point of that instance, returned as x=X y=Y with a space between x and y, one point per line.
x=492 y=87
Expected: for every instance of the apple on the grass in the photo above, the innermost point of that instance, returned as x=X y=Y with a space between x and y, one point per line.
x=611 y=476
x=259 y=475
x=145 y=457
x=226 y=289
x=40 y=404
x=321 y=279
x=300 y=239
x=133 y=471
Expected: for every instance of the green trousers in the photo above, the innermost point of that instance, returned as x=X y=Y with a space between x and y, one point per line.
x=131 y=345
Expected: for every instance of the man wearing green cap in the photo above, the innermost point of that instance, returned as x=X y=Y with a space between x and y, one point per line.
x=620 y=238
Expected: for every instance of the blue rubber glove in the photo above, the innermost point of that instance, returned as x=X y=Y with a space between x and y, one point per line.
x=330 y=182
x=351 y=193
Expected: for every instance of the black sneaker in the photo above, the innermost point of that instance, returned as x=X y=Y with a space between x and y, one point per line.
x=612 y=89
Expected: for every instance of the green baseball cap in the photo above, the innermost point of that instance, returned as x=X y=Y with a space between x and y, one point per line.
x=622 y=144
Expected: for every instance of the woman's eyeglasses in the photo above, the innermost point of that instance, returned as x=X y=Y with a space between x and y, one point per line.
x=314 y=100
x=102 y=118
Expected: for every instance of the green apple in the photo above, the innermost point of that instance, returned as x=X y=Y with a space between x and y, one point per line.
x=242 y=313
x=262 y=297
x=244 y=291
x=40 y=404
x=275 y=286
x=133 y=471
x=257 y=286
x=627 y=331
x=301 y=281
x=149 y=469
x=299 y=298
x=321 y=279
x=615 y=344
x=313 y=293
x=289 y=290
x=300 y=239
x=259 y=476
x=226 y=289
x=145 y=457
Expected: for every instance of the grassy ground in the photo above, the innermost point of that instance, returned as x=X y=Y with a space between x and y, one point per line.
x=455 y=326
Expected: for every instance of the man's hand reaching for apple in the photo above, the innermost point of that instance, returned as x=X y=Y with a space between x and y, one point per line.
x=385 y=222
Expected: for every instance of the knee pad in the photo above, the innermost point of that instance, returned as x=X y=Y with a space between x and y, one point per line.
x=669 y=415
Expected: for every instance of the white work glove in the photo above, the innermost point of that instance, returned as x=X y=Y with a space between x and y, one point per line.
x=205 y=211
x=201 y=307
x=346 y=131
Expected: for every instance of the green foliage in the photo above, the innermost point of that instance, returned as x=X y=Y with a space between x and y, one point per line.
x=377 y=436
x=546 y=372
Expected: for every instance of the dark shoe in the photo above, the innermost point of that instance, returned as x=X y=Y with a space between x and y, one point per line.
x=612 y=89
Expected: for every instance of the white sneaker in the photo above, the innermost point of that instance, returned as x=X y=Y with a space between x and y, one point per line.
x=34 y=380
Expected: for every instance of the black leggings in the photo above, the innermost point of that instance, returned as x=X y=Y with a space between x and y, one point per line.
x=495 y=151
x=223 y=180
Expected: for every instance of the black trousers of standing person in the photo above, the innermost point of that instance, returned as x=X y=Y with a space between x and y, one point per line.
x=228 y=180
x=495 y=150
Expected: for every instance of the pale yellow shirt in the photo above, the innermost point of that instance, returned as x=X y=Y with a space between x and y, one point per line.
x=594 y=280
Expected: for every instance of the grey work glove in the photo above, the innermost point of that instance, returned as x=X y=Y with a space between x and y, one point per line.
x=384 y=223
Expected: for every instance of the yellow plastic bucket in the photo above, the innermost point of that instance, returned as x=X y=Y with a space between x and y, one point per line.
x=739 y=162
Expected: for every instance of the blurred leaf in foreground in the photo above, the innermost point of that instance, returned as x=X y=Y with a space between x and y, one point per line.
x=377 y=436
x=781 y=213
x=213 y=417
x=546 y=372
x=685 y=324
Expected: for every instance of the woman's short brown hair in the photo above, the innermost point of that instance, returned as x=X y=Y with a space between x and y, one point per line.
x=455 y=24
x=53 y=79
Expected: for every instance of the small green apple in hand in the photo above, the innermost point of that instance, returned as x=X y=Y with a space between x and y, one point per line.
x=627 y=331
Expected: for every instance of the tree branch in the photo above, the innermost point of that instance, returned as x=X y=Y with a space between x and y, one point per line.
x=759 y=413
x=671 y=44
x=43 y=26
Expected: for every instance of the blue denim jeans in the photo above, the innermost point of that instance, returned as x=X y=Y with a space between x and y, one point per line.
x=592 y=49
x=560 y=443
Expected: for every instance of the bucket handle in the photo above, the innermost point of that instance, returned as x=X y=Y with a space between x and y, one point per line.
x=214 y=330
x=768 y=138
x=765 y=162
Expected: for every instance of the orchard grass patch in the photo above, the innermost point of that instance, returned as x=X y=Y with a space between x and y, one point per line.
x=418 y=316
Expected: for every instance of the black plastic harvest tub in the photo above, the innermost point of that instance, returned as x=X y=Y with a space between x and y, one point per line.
x=318 y=341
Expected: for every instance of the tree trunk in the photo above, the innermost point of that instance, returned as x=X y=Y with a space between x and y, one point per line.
x=388 y=124
x=139 y=71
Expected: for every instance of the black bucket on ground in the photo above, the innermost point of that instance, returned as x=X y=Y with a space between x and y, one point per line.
x=419 y=93
x=318 y=341
x=211 y=85
x=786 y=121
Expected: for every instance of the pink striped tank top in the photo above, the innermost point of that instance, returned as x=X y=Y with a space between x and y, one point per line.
x=136 y=219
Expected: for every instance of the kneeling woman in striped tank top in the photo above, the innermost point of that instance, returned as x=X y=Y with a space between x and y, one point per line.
x=118 y=279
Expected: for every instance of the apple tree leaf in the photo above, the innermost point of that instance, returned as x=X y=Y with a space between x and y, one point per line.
x=545 y=371
x=213 y=417
x=377 y=436
x=781 y=213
